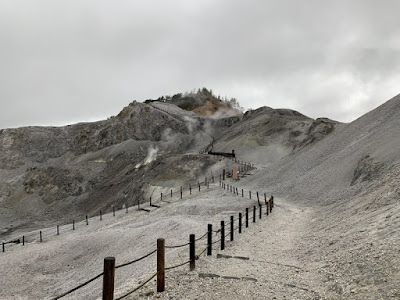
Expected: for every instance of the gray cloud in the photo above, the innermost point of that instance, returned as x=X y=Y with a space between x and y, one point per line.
x=71 y=61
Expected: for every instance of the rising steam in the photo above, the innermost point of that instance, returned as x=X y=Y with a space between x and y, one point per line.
x=151 y=155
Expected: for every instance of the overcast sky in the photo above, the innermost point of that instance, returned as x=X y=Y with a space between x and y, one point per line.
x=63 y=62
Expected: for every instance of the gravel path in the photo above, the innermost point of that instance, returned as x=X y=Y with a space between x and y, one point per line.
x=267 y=261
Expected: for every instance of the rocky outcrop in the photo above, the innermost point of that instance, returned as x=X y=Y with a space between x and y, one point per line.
x=137 y=121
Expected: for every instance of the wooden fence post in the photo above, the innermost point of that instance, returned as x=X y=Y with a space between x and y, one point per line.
x=171 y=193
x=23 y=240
x=181 y=192
x=73 y=224
x=58 y=229
x=126 y=207
x=240 y=222
x=247 y=217
x=199 y=186
x=101 y=217
x=108 y=278
x=222 y=235
x=232 y=226
x=192 y=252
x=190 y=189
x=114 y=209
x=254 y=214
x=40 y=236
x=260 y=211
x=209 y=240
x=267 y=207
x=87 y=220
x=242 y=193
x=161 y=196
x=160 y=265
x=250 y=194
x=4 y=250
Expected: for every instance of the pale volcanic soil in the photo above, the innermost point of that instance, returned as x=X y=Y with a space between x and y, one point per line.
x=44 y=270
x=299 y=251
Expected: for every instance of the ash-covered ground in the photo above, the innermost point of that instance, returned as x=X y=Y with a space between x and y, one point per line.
x=334 y=233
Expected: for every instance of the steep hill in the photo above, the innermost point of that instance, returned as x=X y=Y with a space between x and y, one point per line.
x=266 y=135
x=336 y=221
x=53 y=173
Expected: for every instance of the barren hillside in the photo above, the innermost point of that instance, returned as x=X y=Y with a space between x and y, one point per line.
x=335 y=232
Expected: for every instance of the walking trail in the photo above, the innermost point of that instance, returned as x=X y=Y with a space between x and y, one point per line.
x=269 y=260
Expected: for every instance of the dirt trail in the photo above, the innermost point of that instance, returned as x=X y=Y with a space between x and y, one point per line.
x=267 y=261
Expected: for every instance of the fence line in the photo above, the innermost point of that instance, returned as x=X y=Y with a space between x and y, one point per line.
x=192 y=244
x=60 y=228
x=269 y=205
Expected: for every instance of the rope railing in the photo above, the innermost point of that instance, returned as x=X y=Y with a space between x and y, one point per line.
x=191 y=244
x=177 y=266
x=137 y=288
x=39 y=234
x=78 y=287
x=161 y=253
x=136 y=260
x=177 y=246
x=203 y=236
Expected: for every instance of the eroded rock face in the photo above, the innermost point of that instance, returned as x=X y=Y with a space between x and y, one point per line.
x=53 y=184
x=275 y=133
x=368 y=169
x=46 y=170
x=316 y=131
x=38 y=144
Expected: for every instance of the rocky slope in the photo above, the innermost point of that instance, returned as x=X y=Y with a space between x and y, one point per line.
x=48 y=173
x=266 y=135
x=339 y=182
